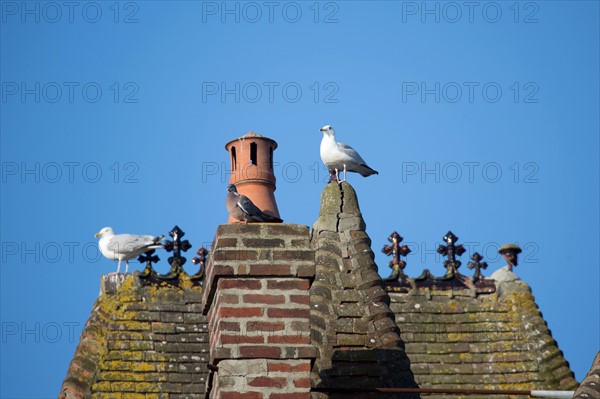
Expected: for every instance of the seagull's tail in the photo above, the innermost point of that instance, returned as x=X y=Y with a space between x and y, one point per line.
x=157 y=243
x=366 y=170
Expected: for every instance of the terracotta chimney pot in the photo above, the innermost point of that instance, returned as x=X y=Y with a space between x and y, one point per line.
x=251 y=158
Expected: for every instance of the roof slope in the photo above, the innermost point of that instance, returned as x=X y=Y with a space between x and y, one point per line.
x=145 y=342
x=590 y=386
x=463 y=338
x=352 y=325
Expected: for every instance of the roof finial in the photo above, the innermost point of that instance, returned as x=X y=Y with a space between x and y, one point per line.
x=451 y=250
x=200 y=260
x=149 y=259
x=176 y=274
x=176 y=261
x=477 y=265
x=510 y=253
x=396 y=251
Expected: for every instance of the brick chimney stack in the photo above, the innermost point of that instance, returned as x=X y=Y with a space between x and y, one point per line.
x=251 y=158
x=256 y=299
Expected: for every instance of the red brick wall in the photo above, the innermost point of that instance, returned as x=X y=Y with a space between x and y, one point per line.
x=256 y=298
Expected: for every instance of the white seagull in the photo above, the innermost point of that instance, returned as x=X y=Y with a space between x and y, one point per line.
x=123 y=247
x=339 y=156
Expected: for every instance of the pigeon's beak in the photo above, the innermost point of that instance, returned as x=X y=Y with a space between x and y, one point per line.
x=98 y=234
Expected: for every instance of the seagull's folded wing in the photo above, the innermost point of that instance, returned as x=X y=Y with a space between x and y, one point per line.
x=351 y=152
x=129 y=243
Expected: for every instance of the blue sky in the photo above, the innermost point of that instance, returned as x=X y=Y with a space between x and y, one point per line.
x=481 y=119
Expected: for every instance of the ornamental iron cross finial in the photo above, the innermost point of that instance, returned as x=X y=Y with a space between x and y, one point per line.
x=176 y=276
x=451 y=250
x=477 y=265
x=149 y=258
x=200 y=260
x=396 y=251
x=176 y=246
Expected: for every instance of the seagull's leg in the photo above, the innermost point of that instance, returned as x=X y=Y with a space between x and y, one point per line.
x=344 y=173
x=118 y=267
x=337 y=175
x=126 y=266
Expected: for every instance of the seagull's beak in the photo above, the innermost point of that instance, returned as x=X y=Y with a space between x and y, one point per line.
x=98 y=234
x=321 y=129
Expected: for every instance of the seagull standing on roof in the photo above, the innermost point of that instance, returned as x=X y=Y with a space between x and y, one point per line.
x=241 y=208
x=339 y=156
x=123 y=247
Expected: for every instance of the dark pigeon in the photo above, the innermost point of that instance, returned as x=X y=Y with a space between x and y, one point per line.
x=241 y=208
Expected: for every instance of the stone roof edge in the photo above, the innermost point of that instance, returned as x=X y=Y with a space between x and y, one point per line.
x=590 y=386
x=84 y=366
x=502 y=288
x=552 y=362
x=93 y=342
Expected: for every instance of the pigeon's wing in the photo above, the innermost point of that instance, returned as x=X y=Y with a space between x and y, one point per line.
x=351 y=152
x=248 y=206
x=270 y=219
x=254 y=213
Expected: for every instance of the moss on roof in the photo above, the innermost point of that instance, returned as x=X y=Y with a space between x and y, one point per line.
x=458 y=339
x=145 y=342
